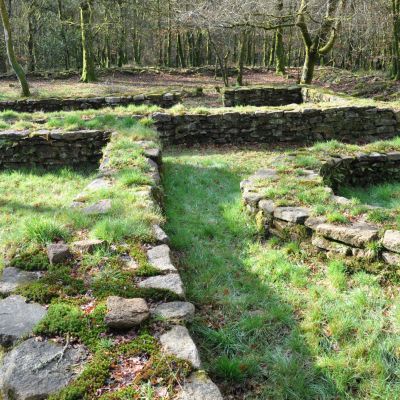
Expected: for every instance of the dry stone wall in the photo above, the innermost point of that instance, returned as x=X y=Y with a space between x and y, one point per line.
x=51 y=148
x=297 y=222
x=263 y=96
x=277 y=96
x=345 y=123
x=165 y=100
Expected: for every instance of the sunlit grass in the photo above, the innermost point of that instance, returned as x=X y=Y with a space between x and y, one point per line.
x=275 y=321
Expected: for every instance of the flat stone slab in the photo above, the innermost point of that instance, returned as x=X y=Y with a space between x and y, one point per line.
x=329 y=245
x=101 y=207
x=33 y=370
x=125 y=313
x=170 y=282
x=178 y=342
x=296 y=215
x=267 y=206
x=18 y=318
x=391 y=240
x=357 y=235
x=87 y=245
x=175 y=311
x=12 y=278
x=199 y=387
x=159 y=258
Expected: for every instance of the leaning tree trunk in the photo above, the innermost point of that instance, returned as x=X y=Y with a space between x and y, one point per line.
x=10 y=51
x=279 y=49
x=88 y=69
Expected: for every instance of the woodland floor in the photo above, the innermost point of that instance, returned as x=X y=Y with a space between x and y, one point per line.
x=361 y=84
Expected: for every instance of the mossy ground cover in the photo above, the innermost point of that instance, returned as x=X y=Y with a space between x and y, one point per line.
x=276 y=320
x=36 y=209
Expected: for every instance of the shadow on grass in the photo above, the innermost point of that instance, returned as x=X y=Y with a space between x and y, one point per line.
x=248 y=335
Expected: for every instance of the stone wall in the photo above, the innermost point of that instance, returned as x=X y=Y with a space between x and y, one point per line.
x=165 y=100
x=278 y=96
x=262 y=96
x=352 y=239
x=51 y=148
x=345 y=123
x=363 y=169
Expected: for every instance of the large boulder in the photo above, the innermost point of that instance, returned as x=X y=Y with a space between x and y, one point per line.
x=35 y=369
x=18 y=318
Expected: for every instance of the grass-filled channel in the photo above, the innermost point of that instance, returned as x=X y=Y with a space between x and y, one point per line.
x=275 y=320
x=382 y=195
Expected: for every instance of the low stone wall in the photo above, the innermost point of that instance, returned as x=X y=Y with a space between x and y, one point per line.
x=363 y=169
x=51 y=148
x=311 y=95
x=165 y=100
x=345 y=123
x=355 y=238
x=262 y=96
x=278 y=96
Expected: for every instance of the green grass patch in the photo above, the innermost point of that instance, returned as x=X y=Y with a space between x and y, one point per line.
x=275 y=320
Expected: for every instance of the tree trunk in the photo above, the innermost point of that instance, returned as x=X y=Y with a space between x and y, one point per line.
x=88 y=69
x=309 y=66
x=31 y=45
x=10 y=50
x=242 y=56
x=279 y=53
x=396 y=39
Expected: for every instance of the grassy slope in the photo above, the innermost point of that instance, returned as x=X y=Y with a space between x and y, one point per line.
x=274 y=322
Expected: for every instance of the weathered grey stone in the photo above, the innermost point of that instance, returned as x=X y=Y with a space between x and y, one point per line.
x=88 y=245
x=125 y=313
x=296 y=215
x=33 y=370
x=159 y=258
x=101 y=207
x=313 y=222
x=129 y=263
x=267 y=206
x=199 y=387
x=391 y=240
x=175 y=311
x=160 y=235
x=18 y=318
x=170 y=282
x=329 y=245
x=178 y=343
x=391 y=258
x=252 y=198
x=357 y=235
x=58 y=253
x=12 y=278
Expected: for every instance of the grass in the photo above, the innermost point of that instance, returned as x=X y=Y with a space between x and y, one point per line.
x=276 y=321
x=384 y=195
